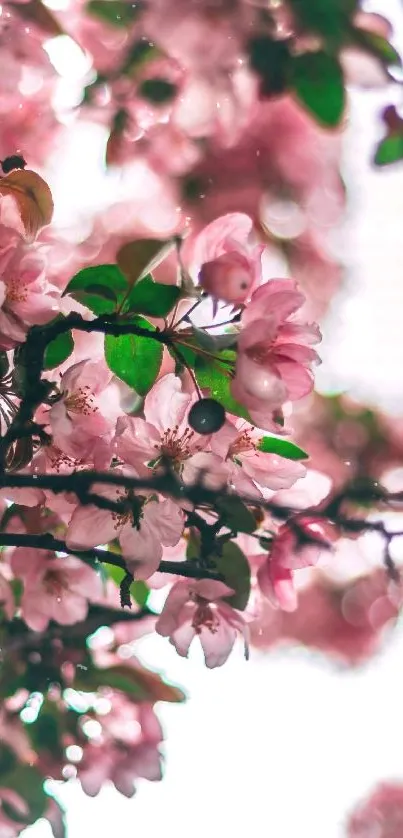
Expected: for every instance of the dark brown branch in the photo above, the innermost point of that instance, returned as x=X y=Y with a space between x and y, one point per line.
x=45 y=541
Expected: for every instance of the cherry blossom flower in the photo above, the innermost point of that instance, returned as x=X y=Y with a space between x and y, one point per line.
x=250 y=469
x=229 y=268
x=128 y=748
x=26 y=297
x=54 y=588
x=164 y=433
x=141 y=530
x=381 y=815
x=83 y=419
x=275 y=353
x=288 y=553
x=196 y=608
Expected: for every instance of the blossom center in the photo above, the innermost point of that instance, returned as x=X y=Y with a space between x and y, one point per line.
x=16 y=292
x=241 y=444
x=259 y=352
x=205 y=617
x=55 y=583
x=177 y=446
x=130 y=515
x=81 y=401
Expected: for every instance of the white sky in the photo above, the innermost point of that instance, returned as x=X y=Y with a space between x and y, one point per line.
x=284 y=746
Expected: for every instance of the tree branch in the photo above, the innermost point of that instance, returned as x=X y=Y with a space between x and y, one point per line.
x=45 y=541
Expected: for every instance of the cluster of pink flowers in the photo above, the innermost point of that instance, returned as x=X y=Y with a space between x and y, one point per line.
x=89 y=428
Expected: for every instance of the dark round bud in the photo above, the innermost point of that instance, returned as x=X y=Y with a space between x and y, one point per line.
x=15 y=161
x=206 y=416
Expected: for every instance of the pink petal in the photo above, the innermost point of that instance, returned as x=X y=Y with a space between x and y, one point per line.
x=91 y=527
x=217 y=645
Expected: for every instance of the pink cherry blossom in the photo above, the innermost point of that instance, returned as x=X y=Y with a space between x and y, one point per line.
x=141 y=532
x=128 y=748
x=381 y=815
x=83 y=419
x=229 y=268
x=289 y=552
x=26 y=297
x=249 y=469
x=275 y=353
x=164 y=432
x=54 y=588
x=196 y=608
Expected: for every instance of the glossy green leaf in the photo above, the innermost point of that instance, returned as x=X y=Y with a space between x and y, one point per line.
x=235 y=569
x=152 y=298
x=236 y=516
x=58 y=350
x=318 y=83
x=390 y=150
x=212 y=378
x=136 y=360
x=100 y=288
x=116 y=12
x=282 y=447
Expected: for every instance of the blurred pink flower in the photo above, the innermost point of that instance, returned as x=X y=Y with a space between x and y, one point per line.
x=381 y=815
x=54 y=588
x=292 y=549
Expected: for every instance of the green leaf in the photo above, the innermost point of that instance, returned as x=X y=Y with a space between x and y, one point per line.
x=152 y=298
x=100 y=288
x=213 y=379
x=235 y=568
x=329 y=18
x=140 y=53
x=58 y=350
x=138 y=590
x=45 y=732
x=236 y=515
x=377 y=45
x=116 y=12
x=138 y=258
x=157 y=91
x=136 y=681
x=213 y=343
x=282 y=447
x=136 y=360
x=318 y=84
x=193 y=546
x=28 y=783
x=390 y=150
